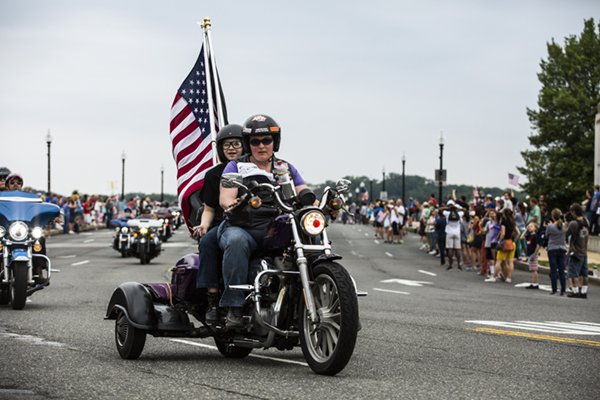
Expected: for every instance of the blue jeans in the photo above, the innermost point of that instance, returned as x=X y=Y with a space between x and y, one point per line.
x=237 y=245
x=557 y=265
x=210 y=260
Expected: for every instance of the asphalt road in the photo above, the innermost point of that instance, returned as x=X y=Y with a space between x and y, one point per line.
x=427 y=333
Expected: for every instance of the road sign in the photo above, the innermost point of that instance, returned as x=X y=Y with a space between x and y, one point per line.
x=440 y=176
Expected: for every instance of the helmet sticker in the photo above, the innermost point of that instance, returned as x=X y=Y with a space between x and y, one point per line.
x=261 y=130
x=259 y=118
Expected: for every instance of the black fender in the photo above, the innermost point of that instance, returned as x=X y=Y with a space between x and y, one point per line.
x=136 y=302
x=324 y=258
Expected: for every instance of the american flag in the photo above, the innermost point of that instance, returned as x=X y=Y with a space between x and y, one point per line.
x=513 y=179
x=190 y=129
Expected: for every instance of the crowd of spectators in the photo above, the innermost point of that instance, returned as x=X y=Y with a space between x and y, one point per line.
x=487 y=234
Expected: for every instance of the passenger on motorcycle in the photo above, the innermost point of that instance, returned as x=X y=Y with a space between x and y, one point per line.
x=4 y=173
x=229 y=147
x=241 y=234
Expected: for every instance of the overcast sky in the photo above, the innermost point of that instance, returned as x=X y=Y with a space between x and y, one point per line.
x=353 y=84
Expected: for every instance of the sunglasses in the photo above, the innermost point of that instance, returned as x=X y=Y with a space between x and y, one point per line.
x=235 y=144
x=257 y=142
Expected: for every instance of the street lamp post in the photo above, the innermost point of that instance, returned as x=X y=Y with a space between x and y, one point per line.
x=123 y=180
x=162 y=183
x=48 y=142
x=371 y=190
x=403 y=181
x=441 y=167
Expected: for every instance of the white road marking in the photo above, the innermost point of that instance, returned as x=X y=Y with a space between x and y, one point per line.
x=354 y=253
x=86 y=233
x=80 y=263
x=349 y=242
x=376 y=241
x=573 y=328
x=55 y=270
x=389 y=254
x=427 y=273
x=168 y=245
x=360 y=230
x=366 y=234
x=30 y=339
x=546 y=288
x=70 y=256
x=390 y=291
x=88 y=241
x=586 y=323
x=207 y=346
x=99 y=245
x=407 y=282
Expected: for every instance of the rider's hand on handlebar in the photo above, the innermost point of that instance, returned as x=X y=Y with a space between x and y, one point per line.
x=199 y=230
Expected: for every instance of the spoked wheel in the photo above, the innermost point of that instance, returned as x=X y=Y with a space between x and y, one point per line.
x=130 y=340
x=230 y=350
x=328 y=345
x=18 y=285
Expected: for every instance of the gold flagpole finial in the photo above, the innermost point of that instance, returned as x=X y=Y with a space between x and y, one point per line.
x=206 y=23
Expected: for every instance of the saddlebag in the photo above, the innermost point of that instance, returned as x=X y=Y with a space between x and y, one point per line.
x=183 y=278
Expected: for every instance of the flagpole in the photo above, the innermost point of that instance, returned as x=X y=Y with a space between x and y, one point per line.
x=219 y=105
x=205 y=27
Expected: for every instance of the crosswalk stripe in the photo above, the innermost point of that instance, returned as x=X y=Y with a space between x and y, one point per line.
x=573 y=328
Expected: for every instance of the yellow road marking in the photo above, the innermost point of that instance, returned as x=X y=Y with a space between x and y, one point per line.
x=537 y=336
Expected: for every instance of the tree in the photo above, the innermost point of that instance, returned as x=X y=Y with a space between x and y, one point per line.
x=561 y=164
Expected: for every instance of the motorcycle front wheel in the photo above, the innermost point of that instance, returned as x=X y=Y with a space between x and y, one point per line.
x=18 y=285
x=328 y=345
x=129 y=339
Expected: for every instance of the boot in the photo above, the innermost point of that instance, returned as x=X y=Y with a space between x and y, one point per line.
x=235 y=317
x=212 y=308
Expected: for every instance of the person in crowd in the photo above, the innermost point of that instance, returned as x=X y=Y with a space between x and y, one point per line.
x=453 y=215
x=464 y=237
x=241 y=234
x=492 y=230
x=431 y=232
x=520 y=220
x=440 y=232
x=535 y=214
x=578 y=233
x=402 y=219
x=557 y=249
x=532 y=251
x=424 y=216
x=380 y=214
x=594 y=211
x=475 y=240
x=229 y=147
x=506 y=248
x=507 y=199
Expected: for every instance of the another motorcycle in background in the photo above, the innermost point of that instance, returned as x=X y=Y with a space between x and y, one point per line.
x=146 y=243
x=24 y=268
x=123 y=237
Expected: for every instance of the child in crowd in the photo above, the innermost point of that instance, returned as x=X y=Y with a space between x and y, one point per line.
x=533 y=248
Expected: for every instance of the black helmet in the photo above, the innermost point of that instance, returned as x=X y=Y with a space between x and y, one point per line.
x=260 y=124
x=4 y=172
x=227 y=132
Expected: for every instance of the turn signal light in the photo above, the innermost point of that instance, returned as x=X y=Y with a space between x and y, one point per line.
x=37 y=247
x=255 y=202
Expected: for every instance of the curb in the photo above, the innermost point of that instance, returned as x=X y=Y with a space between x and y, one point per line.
x=521 y=266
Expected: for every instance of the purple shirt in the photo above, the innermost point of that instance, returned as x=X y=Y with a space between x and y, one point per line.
x=249 y=169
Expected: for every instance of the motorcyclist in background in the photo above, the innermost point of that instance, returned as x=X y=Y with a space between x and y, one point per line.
x=229 y=147
x=14 y=182
x=4 y=173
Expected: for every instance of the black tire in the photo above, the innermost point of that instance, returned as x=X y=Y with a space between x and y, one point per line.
x=230 y=350
x=143 y=256
x=328 y=346
x=123 y=253
x=129 y=339
x=18 y=285
x=4 y=296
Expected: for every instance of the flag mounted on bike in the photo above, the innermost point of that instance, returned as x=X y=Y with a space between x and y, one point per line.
x=197 y=114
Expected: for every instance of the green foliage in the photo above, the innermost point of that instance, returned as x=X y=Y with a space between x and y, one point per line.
x=561 y=164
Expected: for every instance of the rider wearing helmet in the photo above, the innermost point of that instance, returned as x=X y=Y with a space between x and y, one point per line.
x=14 y=182
x=4 y=173
x=241 y=234
x=229 y=147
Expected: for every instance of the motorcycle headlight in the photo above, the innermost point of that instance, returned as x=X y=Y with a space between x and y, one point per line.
x=18 y=231
x=313 y=223
x=37 y=232
x=124 y=229
x=2 y=231
x=143 y=231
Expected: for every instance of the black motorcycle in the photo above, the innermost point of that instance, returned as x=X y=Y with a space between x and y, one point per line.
x=298 y=293
x=146 y=243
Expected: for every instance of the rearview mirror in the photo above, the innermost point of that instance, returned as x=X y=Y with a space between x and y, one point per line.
x=231 y=180
x=342 y=186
